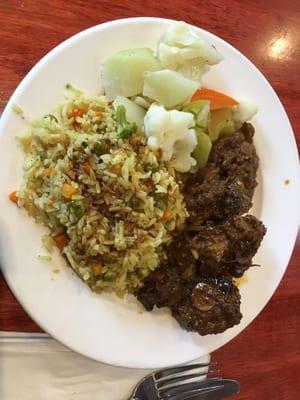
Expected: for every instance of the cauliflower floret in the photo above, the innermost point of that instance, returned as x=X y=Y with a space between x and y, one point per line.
x=243 y=112
x=181 y=43
x=171 y=131
x=182 y=160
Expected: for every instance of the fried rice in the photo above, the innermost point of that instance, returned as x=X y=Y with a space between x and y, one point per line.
x=110 y=204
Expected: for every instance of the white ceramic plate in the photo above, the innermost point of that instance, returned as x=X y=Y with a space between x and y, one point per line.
x=101 y=326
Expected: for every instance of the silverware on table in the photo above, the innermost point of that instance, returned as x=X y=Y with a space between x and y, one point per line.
x=185 y=383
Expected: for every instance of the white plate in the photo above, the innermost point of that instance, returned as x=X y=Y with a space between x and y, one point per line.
x=101 y=326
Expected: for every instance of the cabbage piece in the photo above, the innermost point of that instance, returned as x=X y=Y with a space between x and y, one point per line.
x=243 y=112
x=171 y=132
x=168 y=87
x=193 y=69
x=201 y=111
x=181 y=43
x=122 y=73
x=221 y=123
x=134 y=113
x=202 y=149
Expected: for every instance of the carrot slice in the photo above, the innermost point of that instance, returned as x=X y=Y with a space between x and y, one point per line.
x=133 y=141
x=167 y=215
x=97 y=269
x=60 y=240
x=13 y=196
x=77 y=112
x=68 y=191
x=48 y=171
x=217 y=99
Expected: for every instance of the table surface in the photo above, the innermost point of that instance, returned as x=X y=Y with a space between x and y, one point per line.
x=265 y=357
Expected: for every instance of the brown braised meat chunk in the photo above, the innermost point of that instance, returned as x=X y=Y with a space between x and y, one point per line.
x=244 y=235
x=225 y=186
x=193 y=283
x=210 y=306
x=163 y=288
x=202 y=304
x=218 y=249
x=179 y=251
x=236 y=156
x=227 y=248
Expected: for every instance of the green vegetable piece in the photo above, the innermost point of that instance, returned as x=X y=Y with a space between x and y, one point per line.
x=221 y=123
x=202 y=149
x=109 y=276
x=124 y=128
x=51 y=117
x=201 y=111
x=143 y=273
x=43 y=156
x=161 y=204
x=134 y=202
x=228 y=129
x=76 y=207
x=134 y=113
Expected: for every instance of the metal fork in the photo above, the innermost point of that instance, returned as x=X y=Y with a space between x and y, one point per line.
x=184 y=382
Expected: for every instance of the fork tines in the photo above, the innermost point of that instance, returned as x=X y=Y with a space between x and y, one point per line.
x=171 y=382
x=168 y=372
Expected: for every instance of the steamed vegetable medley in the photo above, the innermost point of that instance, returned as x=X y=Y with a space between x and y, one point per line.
x=160 y=92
